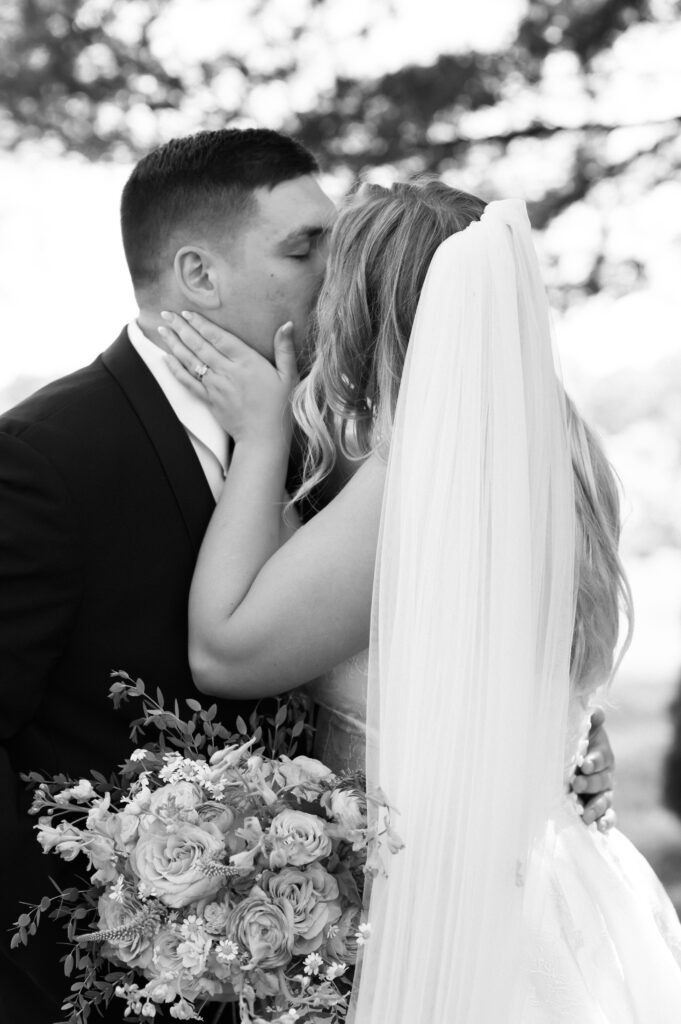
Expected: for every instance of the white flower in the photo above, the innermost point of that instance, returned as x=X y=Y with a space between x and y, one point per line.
x=148 y=1010
x=215 y=917
x=81 y=791
x=312 y=963
x=144 y=891
x=363 y=933
x=131 y=994
x=230 y=756
x=297 y=838
x=176 y=800
x=170 y=862
x=99 y=812
x=183 y=769
x=139 y=754
x=348 y=808
x=65 y=840
x=117 y=890
x=140 y=796
x=182 y=1010
x=226 y=951
x=194 y=954
x=335 y=970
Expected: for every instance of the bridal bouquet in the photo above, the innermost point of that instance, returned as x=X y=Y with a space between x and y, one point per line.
x=214 y=872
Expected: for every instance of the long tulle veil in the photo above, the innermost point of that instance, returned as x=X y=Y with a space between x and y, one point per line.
x=472 y=625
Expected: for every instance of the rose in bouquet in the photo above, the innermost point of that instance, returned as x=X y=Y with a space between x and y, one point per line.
x=214 y=871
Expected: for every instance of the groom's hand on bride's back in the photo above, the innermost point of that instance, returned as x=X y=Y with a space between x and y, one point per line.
x=594 y=780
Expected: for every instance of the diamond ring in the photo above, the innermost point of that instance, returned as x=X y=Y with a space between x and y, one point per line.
x=200 y=372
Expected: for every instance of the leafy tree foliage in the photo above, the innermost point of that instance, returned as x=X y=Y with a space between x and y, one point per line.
x=95 y=77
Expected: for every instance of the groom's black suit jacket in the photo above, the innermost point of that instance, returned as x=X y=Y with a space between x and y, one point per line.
x=103 y=504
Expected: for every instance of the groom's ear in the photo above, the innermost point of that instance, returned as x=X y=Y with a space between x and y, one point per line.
x=196 y=274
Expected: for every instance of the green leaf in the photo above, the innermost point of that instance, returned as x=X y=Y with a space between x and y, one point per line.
x=280 y=716
x=68 y=965
x=193 y=705
x=23 y=920
x=241 y=726
x=45 y=903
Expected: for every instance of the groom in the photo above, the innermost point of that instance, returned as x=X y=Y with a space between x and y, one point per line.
x=108 y=478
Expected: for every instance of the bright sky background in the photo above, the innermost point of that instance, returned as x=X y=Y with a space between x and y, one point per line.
x=64 y=290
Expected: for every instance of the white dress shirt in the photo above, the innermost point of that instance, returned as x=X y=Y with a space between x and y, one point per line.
x=205 y=433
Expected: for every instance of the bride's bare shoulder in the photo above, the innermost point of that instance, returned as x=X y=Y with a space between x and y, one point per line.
x=366 y=483
x=357 y=505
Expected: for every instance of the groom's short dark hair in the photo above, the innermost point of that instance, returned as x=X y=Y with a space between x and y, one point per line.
x=200 y=180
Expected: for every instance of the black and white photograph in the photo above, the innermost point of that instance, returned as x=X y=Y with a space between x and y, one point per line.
x=340 y=511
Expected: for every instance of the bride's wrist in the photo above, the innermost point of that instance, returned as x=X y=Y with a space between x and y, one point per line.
x=265 y=446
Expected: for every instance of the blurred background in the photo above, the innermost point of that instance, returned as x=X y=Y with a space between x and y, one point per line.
x=574 y=105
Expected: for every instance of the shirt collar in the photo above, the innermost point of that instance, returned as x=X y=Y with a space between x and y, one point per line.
x=194 y=414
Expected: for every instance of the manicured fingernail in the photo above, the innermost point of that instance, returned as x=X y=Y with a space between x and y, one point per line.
x=287 y=328
x=187 y=314
x=165 y=315
x=164 y=331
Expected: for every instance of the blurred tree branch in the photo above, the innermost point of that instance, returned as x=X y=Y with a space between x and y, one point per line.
x=90 y=75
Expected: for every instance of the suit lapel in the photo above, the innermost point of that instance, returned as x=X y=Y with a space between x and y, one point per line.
x=167 y=435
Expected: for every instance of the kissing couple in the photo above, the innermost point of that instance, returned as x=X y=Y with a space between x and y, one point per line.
x=440 y=557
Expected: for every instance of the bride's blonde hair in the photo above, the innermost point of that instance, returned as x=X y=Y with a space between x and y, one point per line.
x=379 y=253
x=602 y=589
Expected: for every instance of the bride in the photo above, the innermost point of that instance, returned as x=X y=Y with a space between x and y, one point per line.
x=473 y=554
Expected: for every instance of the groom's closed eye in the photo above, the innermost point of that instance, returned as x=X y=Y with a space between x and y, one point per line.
x=301 y=244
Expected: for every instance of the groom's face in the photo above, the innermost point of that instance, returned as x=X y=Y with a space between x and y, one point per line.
x=271 y=269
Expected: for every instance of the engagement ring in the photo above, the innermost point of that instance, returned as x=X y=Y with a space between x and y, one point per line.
x=200 y=372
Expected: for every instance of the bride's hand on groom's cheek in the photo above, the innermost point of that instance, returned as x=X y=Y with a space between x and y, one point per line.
x=249 y=396
x=594 y=781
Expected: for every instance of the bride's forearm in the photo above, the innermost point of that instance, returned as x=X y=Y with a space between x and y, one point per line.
x=244 y=532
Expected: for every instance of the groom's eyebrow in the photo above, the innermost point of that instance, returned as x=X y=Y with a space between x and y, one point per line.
x=305 y=234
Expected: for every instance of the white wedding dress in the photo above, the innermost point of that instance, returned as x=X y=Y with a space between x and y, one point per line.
x=609 y=949
x=502 y=907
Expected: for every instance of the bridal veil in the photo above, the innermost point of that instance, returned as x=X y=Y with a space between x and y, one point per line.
x=472 y=626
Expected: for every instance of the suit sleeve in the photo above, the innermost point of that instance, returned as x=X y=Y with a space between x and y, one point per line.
x=40 y=578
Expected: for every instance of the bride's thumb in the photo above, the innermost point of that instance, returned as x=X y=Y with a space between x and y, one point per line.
x=285 y=353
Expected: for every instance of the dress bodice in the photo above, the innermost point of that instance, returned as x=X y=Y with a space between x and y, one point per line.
x=341 y=697
x=340 y=736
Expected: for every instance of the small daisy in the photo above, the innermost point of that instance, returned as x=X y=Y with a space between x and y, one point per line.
x=226 y=951
x=312 y=963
